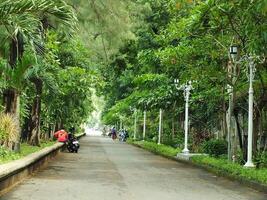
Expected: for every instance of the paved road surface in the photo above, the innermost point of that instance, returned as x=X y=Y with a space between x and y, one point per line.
x=107 y=170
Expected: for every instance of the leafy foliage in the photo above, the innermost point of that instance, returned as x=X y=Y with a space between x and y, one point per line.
x=215 y=147
x=221 y=166
x=9 y=130
x=26 y=149
x=42 y=65
x=189 y=41
x=158 y=149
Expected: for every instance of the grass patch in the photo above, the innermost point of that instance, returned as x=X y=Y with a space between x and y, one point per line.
x=222 y=166
x=217 y=165
x=26 y=149
x=79 y=134
x=157 y=148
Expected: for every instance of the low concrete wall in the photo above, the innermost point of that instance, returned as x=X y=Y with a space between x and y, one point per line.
x=14 y=172
x=80 y=135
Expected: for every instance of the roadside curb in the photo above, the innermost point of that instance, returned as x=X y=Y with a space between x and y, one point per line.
x=252 y=184
x=16 y=171
x=80 y=135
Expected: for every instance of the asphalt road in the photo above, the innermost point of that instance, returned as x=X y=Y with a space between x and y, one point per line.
x=107 y=170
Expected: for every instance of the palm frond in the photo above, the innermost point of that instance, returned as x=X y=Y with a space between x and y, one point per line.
x=14 y=77
x=45 y=73
x=38 y=8
x=24 y=16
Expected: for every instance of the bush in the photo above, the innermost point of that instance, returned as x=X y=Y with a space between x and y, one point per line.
x=6 y=155
x=158 y=149
x=222 y=166
x=177 y=141
x=240 y=157
x=261 y=159
x=215 y=147
x=9 y=130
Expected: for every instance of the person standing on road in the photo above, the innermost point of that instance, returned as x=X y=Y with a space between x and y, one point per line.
x=113 y=133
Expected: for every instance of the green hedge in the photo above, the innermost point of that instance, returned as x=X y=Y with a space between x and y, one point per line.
x=26 y=149
x=217 y=165
x=157 y=148
x=233 y=169
x=215 y=147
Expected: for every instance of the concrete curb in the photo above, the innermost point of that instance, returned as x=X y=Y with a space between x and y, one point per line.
x=252 y=184
x=14 y=166
x=80 y=135
x=14 y=172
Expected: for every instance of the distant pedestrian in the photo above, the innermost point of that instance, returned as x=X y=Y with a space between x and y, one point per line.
x=113 y=133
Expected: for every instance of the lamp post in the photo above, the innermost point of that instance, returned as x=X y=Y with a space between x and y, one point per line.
x=229 y=127
x=250 y=60
x=186 y=88
x=144 y=127
x=231 y=73
x=160 y=125
x=252 y=68
x=135 y=123
x=120 y=123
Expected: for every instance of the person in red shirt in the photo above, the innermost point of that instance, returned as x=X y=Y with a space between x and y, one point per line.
x=61 y=135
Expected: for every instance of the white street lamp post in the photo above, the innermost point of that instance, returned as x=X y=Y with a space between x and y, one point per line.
x=120 y=124
x=187 y=88
x=250 y=60
x=187 y=93
x=160 y=125
x=229 y=128
x=135 y=123
x=249 y=162
x=144 y=127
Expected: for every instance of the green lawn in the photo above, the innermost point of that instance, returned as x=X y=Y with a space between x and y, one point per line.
x=217 y=165
x=7 y=156
x=222 y=166
x=155 y=148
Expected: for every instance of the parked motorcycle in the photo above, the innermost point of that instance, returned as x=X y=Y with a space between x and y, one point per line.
x=123 y=136
x=73 y=144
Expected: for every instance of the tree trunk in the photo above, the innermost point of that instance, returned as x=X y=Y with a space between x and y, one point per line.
x=10 y=97
x=256 y=123
x=238 y=129
x=173 y=127
x=26 y=128
x=245 y=139
x=34 y=135
x=224 y=123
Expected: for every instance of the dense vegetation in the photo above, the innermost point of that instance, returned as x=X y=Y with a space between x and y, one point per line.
x=56 y=55
x=45 y=71
x=190 y=40
x=155 y=148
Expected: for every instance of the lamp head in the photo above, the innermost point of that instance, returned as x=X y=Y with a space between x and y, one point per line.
x=233 y=51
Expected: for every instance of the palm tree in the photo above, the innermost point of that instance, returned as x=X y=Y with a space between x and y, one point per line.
x=22 y=21
x=41 y=75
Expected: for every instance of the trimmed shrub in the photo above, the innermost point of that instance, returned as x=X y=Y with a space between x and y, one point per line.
x=215 y=147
